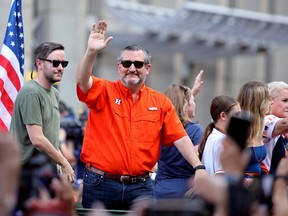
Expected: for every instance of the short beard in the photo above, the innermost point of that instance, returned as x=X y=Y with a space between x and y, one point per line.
x=133 y=83
x=52 y=80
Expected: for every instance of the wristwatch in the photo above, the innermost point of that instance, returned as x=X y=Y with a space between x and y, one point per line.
x=199 y=167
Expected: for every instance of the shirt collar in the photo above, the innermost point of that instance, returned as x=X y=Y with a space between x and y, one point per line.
x=126 y=92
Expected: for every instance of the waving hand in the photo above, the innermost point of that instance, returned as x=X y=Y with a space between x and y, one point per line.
x=97 y=40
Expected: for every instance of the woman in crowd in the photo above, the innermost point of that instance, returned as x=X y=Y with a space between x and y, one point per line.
x=221 y=109
x=221 y=190
x=174 y=171
x=276 y=126
x=254 y=97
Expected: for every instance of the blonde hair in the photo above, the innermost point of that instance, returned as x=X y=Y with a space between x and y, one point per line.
x=179 y=96
x=254 y=97
x=275 y=88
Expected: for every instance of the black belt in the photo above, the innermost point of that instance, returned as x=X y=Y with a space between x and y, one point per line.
x=125 y=179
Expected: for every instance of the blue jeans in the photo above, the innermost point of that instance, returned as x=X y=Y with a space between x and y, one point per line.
x=171 y=188
x=113 y=194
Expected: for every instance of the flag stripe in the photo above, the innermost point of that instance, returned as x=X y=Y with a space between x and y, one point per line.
x=5 y=117
x=7 y=64
x=5 y=99
x=3 y=126
x=12 y=75
x=7 y=84
x=11 y=64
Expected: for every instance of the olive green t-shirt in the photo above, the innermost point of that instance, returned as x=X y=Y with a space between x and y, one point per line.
x=35 y=105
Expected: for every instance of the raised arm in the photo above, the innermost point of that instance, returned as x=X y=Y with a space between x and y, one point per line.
x=96 y=43
x=197 y=83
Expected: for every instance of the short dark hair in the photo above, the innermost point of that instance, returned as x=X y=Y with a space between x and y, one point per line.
x=44 y=49
x=147 y=55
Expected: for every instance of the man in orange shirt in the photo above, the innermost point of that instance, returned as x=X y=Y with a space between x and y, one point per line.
x=126 y=125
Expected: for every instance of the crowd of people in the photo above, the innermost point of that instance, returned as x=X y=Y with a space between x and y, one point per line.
x=104 y=158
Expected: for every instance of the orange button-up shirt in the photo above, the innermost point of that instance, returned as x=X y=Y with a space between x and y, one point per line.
x=122 y=136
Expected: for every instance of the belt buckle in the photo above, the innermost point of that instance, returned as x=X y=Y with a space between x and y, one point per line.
x=123 y=178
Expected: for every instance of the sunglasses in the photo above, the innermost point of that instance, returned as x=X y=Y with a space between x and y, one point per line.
x=185 y=89
x=137 y=64
x=56 y=63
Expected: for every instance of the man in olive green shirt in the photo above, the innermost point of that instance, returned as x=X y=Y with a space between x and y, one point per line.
x=36 y=119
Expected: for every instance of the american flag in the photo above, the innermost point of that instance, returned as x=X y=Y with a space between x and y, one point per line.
x=11 y=64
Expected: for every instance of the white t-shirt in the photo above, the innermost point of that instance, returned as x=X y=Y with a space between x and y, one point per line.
x=211 y=153
x=270 y=142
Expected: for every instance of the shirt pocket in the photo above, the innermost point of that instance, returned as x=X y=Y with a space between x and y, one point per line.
x=148 y=127
x=120 y=123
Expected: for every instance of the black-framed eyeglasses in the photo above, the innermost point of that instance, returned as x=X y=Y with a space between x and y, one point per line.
x=137 y=64
x=56 y=63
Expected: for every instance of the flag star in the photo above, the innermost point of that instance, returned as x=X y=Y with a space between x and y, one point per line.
x=14 y=38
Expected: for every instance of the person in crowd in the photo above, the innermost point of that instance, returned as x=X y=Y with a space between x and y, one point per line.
x=78 y=145
x=174 y=172
x=71 y=134
x=67 y=147
x=280 y=192
x=221 y=190
x=63 y=204
x=68 y=130
x=267 y=195
x=254 y=97
x=276 y=126
x=10 y=168
x=71 y=138
x=36 y=121
x=127 y=122
x=221 y=109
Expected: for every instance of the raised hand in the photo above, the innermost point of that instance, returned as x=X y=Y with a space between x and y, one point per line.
x=97 y=40
x=197 y=83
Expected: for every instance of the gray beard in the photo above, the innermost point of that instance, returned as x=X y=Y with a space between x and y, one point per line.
x=131 y=83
